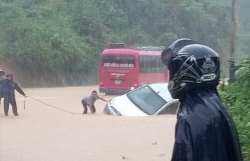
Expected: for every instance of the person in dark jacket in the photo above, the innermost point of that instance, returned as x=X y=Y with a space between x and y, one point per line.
x=204 y=130
x=2 y=73
x=8 y=91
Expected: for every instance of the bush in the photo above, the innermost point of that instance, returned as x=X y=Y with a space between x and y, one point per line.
x=236 y=96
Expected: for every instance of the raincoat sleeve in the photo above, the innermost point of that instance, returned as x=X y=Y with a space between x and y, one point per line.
x=19 y=89
x=183 y=142
x=1 y=91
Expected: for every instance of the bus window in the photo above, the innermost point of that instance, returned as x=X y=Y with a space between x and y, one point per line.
x=122 y=61
x=142 y=64
x=160 y=66
x=151 y=64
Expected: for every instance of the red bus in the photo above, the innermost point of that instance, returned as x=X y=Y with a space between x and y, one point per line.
x=122 y=67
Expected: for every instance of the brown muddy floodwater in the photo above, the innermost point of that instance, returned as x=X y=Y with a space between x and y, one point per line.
x=43 y=133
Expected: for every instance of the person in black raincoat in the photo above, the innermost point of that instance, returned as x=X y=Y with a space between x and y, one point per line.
x=204 y=129
x=8 y=92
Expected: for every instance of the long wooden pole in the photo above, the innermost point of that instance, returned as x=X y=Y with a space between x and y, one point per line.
x=234 y=28
x=232 y=47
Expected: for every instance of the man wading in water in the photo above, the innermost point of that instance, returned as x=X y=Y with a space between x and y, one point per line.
x=90 y=101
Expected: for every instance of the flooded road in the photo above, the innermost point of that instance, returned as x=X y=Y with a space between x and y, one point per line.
x=44 y=133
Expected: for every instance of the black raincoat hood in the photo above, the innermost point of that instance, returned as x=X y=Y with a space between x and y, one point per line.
x=204 y=129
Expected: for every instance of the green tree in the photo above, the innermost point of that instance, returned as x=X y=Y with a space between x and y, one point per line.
x=58 y=42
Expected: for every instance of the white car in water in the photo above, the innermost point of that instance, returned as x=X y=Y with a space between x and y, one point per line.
x=150 y=99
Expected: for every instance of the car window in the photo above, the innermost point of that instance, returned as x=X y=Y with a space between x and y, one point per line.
x=147 y=100
x=170 y=109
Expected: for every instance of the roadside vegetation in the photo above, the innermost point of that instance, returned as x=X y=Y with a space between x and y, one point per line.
x=236 y=96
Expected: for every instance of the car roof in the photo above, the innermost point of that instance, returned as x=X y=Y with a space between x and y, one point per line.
x=162 y=89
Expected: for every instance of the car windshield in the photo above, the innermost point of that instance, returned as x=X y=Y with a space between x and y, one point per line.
x=147 y=100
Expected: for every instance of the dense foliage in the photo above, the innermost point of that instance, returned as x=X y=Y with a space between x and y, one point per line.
x=58 y=42
x=236 y=97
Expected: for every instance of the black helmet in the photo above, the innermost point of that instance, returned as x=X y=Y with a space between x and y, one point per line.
x=193 y=66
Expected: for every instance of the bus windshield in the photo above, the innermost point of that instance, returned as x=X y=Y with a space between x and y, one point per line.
x=119 y=61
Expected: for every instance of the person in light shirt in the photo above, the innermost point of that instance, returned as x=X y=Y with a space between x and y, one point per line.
x=90 y=101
